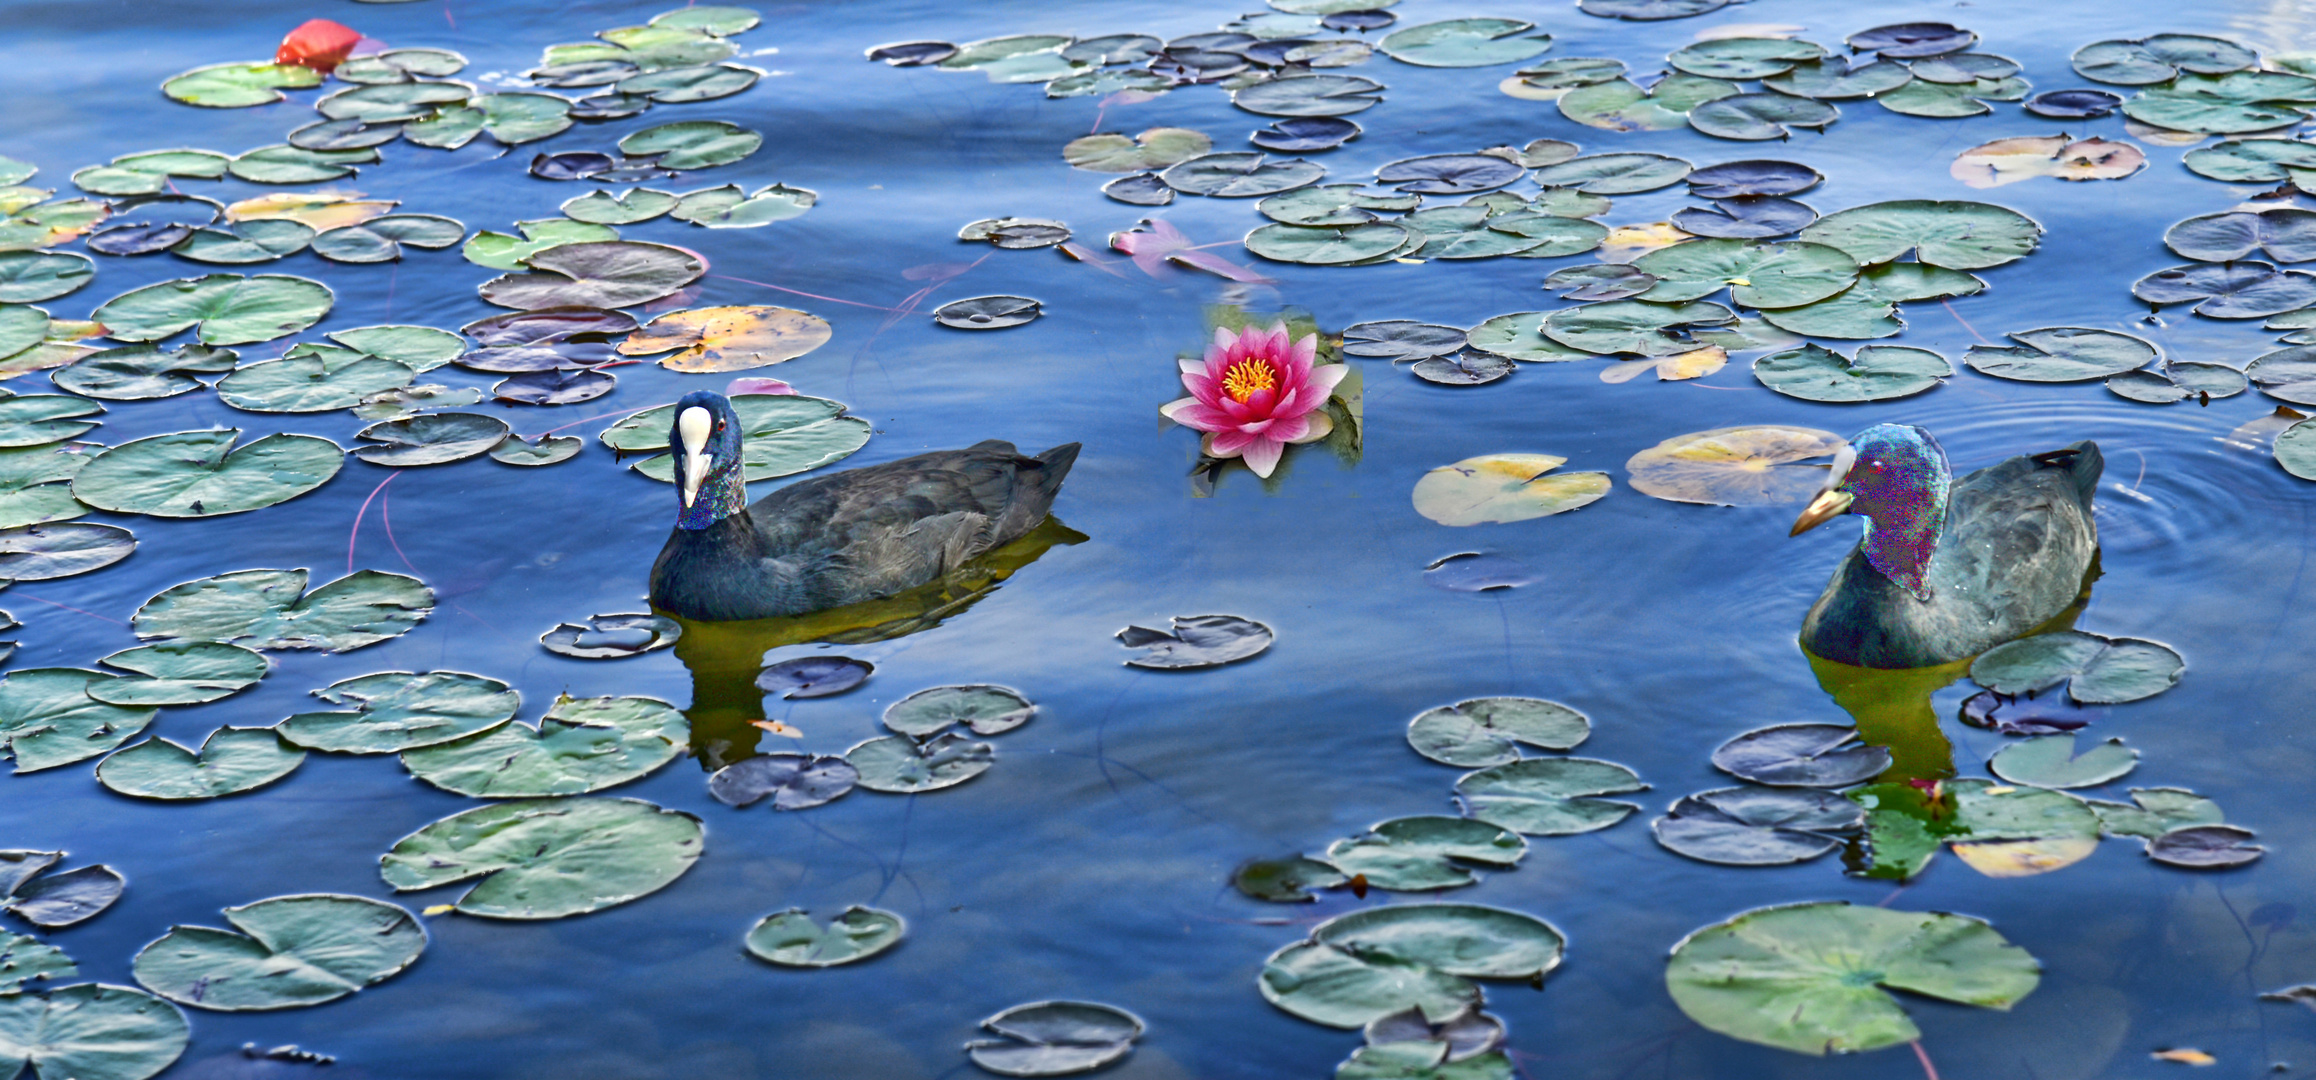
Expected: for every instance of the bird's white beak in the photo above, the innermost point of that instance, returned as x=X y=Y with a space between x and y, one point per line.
x=692 y=428
x=1828 y=505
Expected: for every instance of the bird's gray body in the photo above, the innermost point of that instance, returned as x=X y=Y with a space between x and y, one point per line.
x=858 y=534
x=2018 y=540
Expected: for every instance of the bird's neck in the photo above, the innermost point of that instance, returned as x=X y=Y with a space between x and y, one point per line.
x=724 y=494
x=1901 y=538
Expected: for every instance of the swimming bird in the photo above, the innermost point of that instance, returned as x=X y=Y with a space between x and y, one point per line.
x=837 y=539
x=1948 y=568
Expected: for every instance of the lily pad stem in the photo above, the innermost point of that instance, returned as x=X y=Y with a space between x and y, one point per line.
x=1924 y=1056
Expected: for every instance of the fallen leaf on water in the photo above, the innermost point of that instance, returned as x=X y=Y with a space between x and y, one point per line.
x=1780 y=31
x=1628 y=242
x=2008 y=161
x=2185 y=1056
x=778 y=728
x=319 y=44
x=439 y=909
x=746 y=385
x=1740 y=466
x=2024 y=858
x=728 y=338
x=1504 y=487
x=318 y=210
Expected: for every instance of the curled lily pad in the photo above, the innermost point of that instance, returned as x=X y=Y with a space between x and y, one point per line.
x=92 y=1031
x=1876 y=373
x=2052 y=761
x=692 y=144
x=1740 y=466
x=987 y=312
x=74 y=896
x=794 y=781
x=1801 y=755
x=1954 y=235
x=1305 y=134
x=1746 y=217
x=1288 y=880
x=1426 y=852
x=2177 y=380
x=271 y=609
x=791 y=939
x=1198 y=641
x=1462 y=43
x=1757 y=274
x=2097 y=670
x=2205 y=847
x=2062 y=354
x=813 y=676
x=1614 y=174
x=47 y=718
x=607 y=274
x=1489 y=731
x=986 y=710
x=228 y=309
x=1358 y=968
x=899 y=765
x=1474 y=572
x=1052 y=1038
x=582 y=745
x=2160 y=58
x=430 y=439
x=913 y=53
x=1309 y=95
x=180 y=673
x=2073 y=104
x=142 y=372
x=1504 y=487
x=1549 y=796
x=285 y=952
x=612 y=637
x=400 y=710
x=203 y=473
x=1810 y=977
x=1752 y=826
x=2244 y=290
x=41 y=552
x=548 y=858
x=1621 y=105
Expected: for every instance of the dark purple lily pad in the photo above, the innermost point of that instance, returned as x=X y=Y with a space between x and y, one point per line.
x=1746 y=217
x=1198 y=641
x=2205 y=847
x=1731 y=179
x=544 y=324
x=1401 y=339
x=1912 y=41
x=794 y=781
x=2073 y=104
x=613 y=106
x=1470 y=367
x=1305 y=134
x=813 y=676
x=1801 y=755
x=2243 y=290
x=555 y=387
x=1601 y=281
x=1450 y=174
x=2048 y=715
x=144 y=238
x=1755 y=826
x=1472 y=571
x=1197 y=65
x=913 y=53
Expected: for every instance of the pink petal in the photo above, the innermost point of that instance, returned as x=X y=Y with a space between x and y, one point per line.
x=1203 y=417
x=1228 y=443
x=1288 y=429
x=1262 y=455
x=1325 y=377
x=1172 y=410
x=1191 y=367
x=1261 y=402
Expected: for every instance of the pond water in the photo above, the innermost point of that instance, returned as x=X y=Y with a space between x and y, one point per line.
x=1094 y=860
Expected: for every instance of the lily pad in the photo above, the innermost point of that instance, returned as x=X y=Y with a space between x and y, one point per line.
x=1288 y=880
x=398 y=710
x=791 y=939
x=1448 y=174
x=149 y=173
x=2244 y=290
x=1489 y=731
x=1240 y=175
x=1875 y=373
x=34 y=487
x=1504 y=488
x=1332 y=204
x=2008 y=161
x=90 y=1031
x=2097 y=670
x=258 y=241
x=2051 y=761
x=612 y=637
x=1333 y=245
x=1426 y=852
x=2285 y=234
x=1739 y=466
x=1760 y=116
x=1753 y=826
x=548 y=858
x=430 y=439
x=2074 y=104
x=781 y=435
x=2229 y=104
x=321 y=380
x=41 y=419
x=1634 y=326
x=554 y=387
x=1309 y=95
x=1601 y=281
x=61 y=549
x=1810 y=977
x=987 y=312
x=290 y=952
x=500 y=251
x=1305 y=134
x=692 y=144
x=2177 y=380
x=1744 y=57
x=203 y=474
x=986 y=710
x=1614 y=174
x=2062 y=354
x=913 y=53
x=729 y=207
x=582 y=745
x=607 y=274
x=1954 y=235
x=236 y=86
x=899 y=765
x=1471 y=232
x=720 y=339
x=297 y=165
x=2205 y=847
x=1621 y=105
x=142 y=372
x=1464 y=43
x=794 y=781
x=1549 y=796
x=1140 y=189
x=391 y=102
x=179 y=673
x=673 y=86
x=419 y=348
x=628 y=208
x=228 y=309
x=1837 y=79
x=2160 y=58
x=2288 y=374
x=23 y=959
x=1518 y=336
x=1911 y=41
x=271 y=609
x=2155 y=811
x=544 y=450
x=31 y=276
x=1757 y=274
x=1151 y=150
x=1746 y=217
x=1801 y=755
x=2251 y=160
x=1198 y=641
x=813 y=676
x=74 y=896
x=1052 y=1038
x=1358 y=968
x=47 y=718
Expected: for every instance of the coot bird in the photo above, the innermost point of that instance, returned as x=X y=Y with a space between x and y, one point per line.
x=1948 y=568
x=838 y=539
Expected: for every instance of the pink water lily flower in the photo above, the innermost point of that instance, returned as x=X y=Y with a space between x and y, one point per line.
x=1254 y=393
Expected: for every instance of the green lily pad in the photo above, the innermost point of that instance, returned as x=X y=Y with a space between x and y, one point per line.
x=985 y=710
x=180 y=673
x=1621 y=105
x=1836 y=79
x=1428 y=852
x=1518 y=337
x=548 y=858
x=1810 y=977
x=1490 y=731
x=1157 y=148
x=380 y=239
x=1055 y=1038
x=419 y=348
x=1760 y=116
x=693 y=144
x=1015 y=58
x=47 y=718
x=1309 y=95
x=2295 y=450
x=232 y=760
x=298 y=165
x=2285 y=234
x=781 y=435
x=1633 y=326
x=672 y=86
x=1744 y=57
x=502 y=252
x=2251 y=161
x=61 y=549
x=1876 y=373
x=40 y=419
x=32 y=276
x=900 y=765
x=1240 y=175
x=2155 y=811
x=149 y=173
x=1288 y=880
x=271 y=609
x=1555 y=235
x=1614 y=174
x=1465 y=43
x=1466 y=232
x=319 y=381
x=722 y=21
x=263 y=240
x=604 y=274
x=399 y=710
x=235 y=86
x=430 y=439
x=24 y=959
x=1321 y=245
x=1756 y=826
x=2225 y=104
x=400 y=65
x=1549 y=796
x=791 y=939
x=2062 y=354
x=142 y=372
x=1949 y=100
x=34 y=487
x=1360 y=967
x=604 y=208
x=1758 y=274
x=509 y=119
x=2051 y=761
x=730 y=207
x=392 y=102
x=2160 y=58
x=1330 y=204
x=582 y=745
x=1955 y=235
x=2097 y=670
x=229 y=309
x=90 y=1031
x=2178 y=380
x=203 y=474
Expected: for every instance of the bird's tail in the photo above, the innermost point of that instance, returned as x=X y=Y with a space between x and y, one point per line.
x=1036 y=481
x=1053 y=468
x=2084 y=465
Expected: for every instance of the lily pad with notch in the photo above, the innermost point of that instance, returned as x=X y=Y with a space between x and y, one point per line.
x=49 y=550
x=2155 y=811
x=1332 y=204
x=1518 y=336
x=606 y=274
x=239 y=85
x=2160 y=58
x=150 y=172
x=582 y=745
x=1489 y=731
x=2052 y=761
x=1238 y=175
x=1304 y=134
x=1051 y=1038
x=1344 y=245
x=1758 y=465
x=1835 y=78
x=271 y=609
x=297 y=165
x=1757 y=826
x=985 y=710
x=1603 y=281
x=1746 y=217
x=1149 y=151
x=2286 y=374
x=2074 y=104
x=1614 y=174
x=35 y=483
x=142 y=372
x=1638 y=327
x=2062 y=354
x=231 y=761
x=1309 y=95
x=2230 y=104
x=2260 y=160
x=2242 y=290
x=1401 y=339
x=2096 y=670
x=2177 y=380
x=41 y=419
x=203 y=473
x=1139 y=189
x=1468 y=368
x=47 y=718
x=1757 y=274
x=1498 y=488
x=2285 y=234
x=1287 y=880
x=28 y=277
x=632 y=206
x=179 y=673
x=1016 y=234
x=1760 y=116
x=813 y=676
x=791 y=939
x=1357 y=968
x=672 y=86
x=899 y=765
x=316 y=379
x=1449 y=174
x=1955 y=235
x=793 y=781
x=1418 y=853
x=1737 y=58
x=1622 y=105
x=554 y=387
x=1198 y=641
x=612 y=637
x=227 y=309
x=540 y=451
x=692 y=144
x=92 y=1030
x=1874 y=373
x=731 y=207
x=396 y=711
x=263 y=240
x=1801 y=755
x=1465 y=43
x=988 y=312
x=430 y=439
x=381 y=239
x=1551 y=796
x=548 y=858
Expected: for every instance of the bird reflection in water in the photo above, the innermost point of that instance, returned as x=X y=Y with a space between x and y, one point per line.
x=724 y=657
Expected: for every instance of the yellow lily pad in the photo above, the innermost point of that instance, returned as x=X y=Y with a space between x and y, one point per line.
x=728 y=338
x=321 y=210
x=1496 y=488
x=1737 y=466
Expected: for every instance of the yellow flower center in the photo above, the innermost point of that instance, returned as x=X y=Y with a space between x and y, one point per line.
x=1248 y=376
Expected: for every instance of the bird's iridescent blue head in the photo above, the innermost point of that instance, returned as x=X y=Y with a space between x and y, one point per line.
x=1896 y=477
x=705 y=439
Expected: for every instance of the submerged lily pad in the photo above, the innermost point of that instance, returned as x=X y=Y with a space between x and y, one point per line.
x=1549 y=796
x=203 y=474
x=606 y=274
x=899 y=765
x=1801 y=755
x=987 y=312
x=1463 y=43
x=91 y=1031
x=229 y=309
x=2205 y=847
x=2097 y=670
x=582 y=745
x=1876 y=373
x=1810 y=977
x=1753 y=826
x=47 y=718
x=2062 y=354
x=289 y=952
x=1503 y=488
x=2052 y=761
x=794 y=781
x=1198 y=641
x=813 y=676
x=1051 y=1038
x=271 y=609
x=791 y=939
x=612 y=637
x=548 y=858
x=1358 y=968
x=1954 y=235
x=1740 y=466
